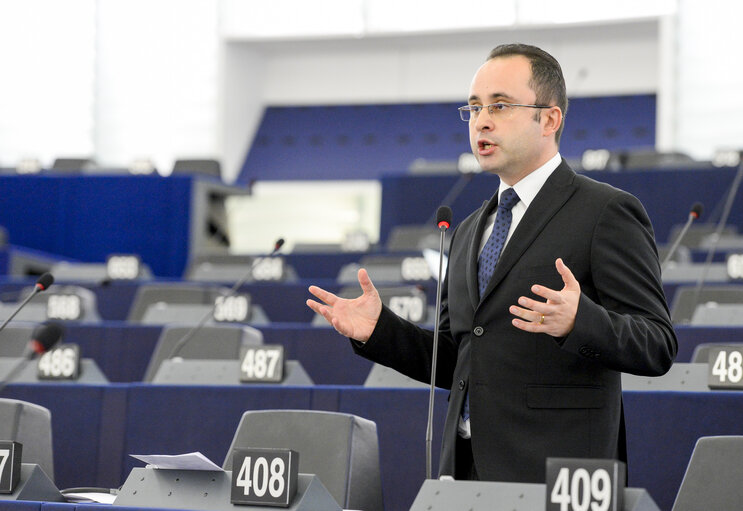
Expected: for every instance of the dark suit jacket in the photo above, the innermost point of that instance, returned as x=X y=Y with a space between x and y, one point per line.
x=533 y=396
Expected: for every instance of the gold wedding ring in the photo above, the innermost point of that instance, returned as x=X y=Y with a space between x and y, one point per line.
x=541 y=319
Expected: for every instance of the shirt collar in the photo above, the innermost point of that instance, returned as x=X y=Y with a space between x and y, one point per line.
x=528 y=187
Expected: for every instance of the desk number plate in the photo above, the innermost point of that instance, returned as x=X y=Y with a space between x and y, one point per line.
x=123 y=267
x=263 y=364
x=412 y=308
x=64 y=307
x=734 y=265
x=60 y=363
x=725 y=367
x=414 y=269
x=234 y=309
x=10 y=465
x=268 y=269
x=264 y=477
x=577 y=484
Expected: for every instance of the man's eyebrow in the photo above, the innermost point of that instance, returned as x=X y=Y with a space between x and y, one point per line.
x=494 y=96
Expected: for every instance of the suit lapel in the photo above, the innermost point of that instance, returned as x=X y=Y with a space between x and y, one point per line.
x=556 y=191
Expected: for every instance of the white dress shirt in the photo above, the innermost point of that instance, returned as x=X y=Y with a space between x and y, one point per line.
x=526 y=189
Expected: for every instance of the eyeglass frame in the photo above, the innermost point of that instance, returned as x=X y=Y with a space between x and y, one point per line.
x=478 y=108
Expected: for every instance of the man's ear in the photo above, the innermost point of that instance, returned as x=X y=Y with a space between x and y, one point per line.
x=552 y=120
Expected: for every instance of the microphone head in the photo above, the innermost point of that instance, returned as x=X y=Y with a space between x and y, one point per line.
x=279 y=243
x=46 y=336
x=443 y=217
x=696 y=210
x=45 y=281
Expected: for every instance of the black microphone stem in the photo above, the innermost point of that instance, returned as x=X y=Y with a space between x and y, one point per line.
x=676 y=243
x=429 y=427
x=46 y=280
x=188 y=335
x=45 y=337
x=18 y=309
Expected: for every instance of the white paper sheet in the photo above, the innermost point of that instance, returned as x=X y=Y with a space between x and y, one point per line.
x=190 y=461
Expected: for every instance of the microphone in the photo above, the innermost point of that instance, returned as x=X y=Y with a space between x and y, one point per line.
x=42 y=284
x=694 y=214
x=443 y=221
x=43 y=338
x=443 y=218
x=188 y=335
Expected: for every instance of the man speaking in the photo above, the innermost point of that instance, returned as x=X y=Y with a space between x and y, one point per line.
x=552 y=290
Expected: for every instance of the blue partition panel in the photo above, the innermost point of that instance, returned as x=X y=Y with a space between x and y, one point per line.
x=22 y=506
x=121 y=350
x=326 y=355
x=691 y=336
x=77 y=414
x=320 y=265
x=88 y=217
x=164 y=419
x=401 y=416
x=662 y=429
x=368 y=141
x=4 y=260
x=666 y=194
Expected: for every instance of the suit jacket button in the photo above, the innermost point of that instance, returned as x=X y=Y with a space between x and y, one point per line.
x=461 y=384
x=478 y=331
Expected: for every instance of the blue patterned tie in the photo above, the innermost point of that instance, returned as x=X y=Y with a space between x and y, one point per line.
x=491 y=253
x=492 y=249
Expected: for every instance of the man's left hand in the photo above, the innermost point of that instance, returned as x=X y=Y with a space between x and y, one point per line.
x=556 y=316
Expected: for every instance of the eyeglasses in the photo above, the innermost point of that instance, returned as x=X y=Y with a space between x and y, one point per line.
x=469 y=112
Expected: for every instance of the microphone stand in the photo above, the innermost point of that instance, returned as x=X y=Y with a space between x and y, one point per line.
x=188 y=335
x=33 y=293
x=42 y=283
x=692 y=216
x=443 y=226
x=45 y=338
x=718 y=232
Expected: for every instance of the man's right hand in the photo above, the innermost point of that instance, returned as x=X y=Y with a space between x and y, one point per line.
x=355 y=318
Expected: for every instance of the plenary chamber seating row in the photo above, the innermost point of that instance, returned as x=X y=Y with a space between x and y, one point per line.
x=210 y=355
x=154 y=303
x=186 y=302
x=275 y=300
x=95 y=427
x=125 y=352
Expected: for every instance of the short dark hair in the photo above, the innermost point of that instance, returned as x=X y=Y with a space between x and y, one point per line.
x=546 y=81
